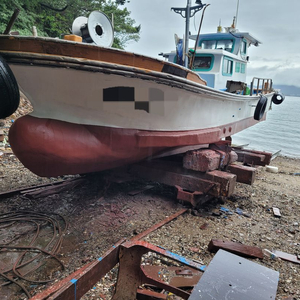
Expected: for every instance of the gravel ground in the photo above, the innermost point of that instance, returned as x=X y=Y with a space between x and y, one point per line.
x=100 y=213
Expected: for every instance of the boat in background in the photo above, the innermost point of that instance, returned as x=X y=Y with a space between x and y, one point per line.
x=97 y=108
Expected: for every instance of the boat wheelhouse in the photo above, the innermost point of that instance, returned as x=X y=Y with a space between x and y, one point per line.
x=221 y=59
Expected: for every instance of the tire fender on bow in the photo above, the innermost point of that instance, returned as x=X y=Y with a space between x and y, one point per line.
x=9 y=90
x=260 y=107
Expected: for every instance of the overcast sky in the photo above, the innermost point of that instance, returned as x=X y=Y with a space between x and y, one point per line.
x=273 y=22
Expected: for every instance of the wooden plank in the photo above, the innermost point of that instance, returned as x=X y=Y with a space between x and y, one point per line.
x=156 y=172
x=237 y=248
x=226 y=180
x=244 y=174
x=67 y=185
x=24 y=189
x=254 y=157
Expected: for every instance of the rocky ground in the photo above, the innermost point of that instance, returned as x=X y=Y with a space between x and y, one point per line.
x=100 y=213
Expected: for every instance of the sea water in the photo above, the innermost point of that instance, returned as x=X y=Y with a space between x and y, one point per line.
x=281 y=130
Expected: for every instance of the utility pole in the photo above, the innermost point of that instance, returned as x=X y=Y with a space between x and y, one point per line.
x=187 y=13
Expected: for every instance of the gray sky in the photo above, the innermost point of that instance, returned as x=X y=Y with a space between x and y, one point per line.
x=273 y=22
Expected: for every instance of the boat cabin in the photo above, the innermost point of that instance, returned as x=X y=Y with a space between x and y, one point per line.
x=220 y=57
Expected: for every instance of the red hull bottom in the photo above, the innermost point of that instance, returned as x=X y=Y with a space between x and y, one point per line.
x=53 y=148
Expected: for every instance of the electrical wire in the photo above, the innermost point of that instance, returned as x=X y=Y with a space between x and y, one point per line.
x=31 y=255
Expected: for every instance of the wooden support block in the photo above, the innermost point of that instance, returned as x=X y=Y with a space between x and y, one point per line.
x=227 y=181
x=159 y=173
x=237 y=248
x=253 y=157
x=202 y=160
x=244 y=174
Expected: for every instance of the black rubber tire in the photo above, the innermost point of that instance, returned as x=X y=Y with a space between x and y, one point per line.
x=277 y=98
x=260 y=108
x=9 y=90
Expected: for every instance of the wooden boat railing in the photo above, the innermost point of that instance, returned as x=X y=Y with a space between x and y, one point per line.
x=261 y=86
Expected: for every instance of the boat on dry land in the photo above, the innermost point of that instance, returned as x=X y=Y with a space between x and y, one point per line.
x=96 y=107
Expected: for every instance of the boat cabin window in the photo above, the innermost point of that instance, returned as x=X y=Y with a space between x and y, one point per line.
x=240 y=67
x=227 y=66
x=244 y=47
x=217 y=44
x=237 y=67
x=243 y=68
x=203 y=62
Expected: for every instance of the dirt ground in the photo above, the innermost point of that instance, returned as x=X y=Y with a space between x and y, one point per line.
x=100 y=213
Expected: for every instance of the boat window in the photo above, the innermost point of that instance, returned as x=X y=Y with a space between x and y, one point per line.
x=225 y=44
x=208 y=44
x=237 y=67
x=227 y=66
x=204 y=63
x=243 y=68
x=244 y=47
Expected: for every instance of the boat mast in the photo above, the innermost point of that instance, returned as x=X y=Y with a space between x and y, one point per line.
x=237 y=12
x=187 y=13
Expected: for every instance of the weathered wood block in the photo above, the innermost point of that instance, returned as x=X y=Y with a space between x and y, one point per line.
x=244 y=174
x=227 y=181
x=201 y=160
x=156 y=172
x=253 y=157
x=237 y=248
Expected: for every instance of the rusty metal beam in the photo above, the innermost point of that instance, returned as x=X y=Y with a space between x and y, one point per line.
x=131 y=275
x=81 y=283
x=195 y=198
x=158 y=225
x=54 y=288
x=150 y=295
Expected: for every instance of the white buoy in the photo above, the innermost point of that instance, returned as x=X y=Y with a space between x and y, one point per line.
x=271 y=169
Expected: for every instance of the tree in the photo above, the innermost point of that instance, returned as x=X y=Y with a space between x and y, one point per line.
x=54 y=18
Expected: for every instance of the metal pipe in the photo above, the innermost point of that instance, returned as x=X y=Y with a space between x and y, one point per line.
x=237 y=12
x=197 y=39
x=187 y=33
